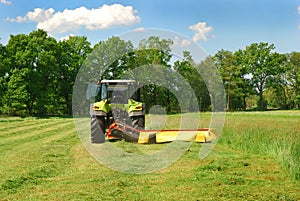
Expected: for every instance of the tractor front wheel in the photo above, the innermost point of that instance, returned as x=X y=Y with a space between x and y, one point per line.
x=97 y=129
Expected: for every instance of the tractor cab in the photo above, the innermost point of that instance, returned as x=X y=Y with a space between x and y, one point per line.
x=118 y=91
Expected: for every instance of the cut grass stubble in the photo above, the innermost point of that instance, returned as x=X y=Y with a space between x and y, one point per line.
x=257 y=158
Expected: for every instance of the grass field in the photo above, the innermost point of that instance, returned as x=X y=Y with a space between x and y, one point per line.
x=257 y=158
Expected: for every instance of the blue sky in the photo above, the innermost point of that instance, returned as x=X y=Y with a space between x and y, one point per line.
x=213 y=24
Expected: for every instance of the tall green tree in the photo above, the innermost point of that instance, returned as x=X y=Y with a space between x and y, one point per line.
x=187 y=68
x=3 y=75
x=213 y=83
x=35 y=54
x=17 y=94
x=245 y=87
x=280 y=87
x=3 y=57
x=293 y=74
x=233 y=78
x=263 y=64
x=71 y=55
x=154 y=50
x=156 y=53
x=109 y=58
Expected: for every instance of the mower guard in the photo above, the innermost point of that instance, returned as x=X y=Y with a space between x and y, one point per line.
x=197 y=135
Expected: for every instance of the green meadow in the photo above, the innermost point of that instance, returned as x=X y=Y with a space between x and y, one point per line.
x=257 y=157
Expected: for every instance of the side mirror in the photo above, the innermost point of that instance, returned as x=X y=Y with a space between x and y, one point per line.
x=92 y=91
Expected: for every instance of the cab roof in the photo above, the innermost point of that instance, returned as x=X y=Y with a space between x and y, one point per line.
x=117 y=81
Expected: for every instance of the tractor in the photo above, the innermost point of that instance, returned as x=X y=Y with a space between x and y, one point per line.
x=116 y=101
x=117 y=113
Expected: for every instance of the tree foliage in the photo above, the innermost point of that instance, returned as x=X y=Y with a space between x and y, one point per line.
x=70 y=57
x=263 y=64
x=188 y=69
x=232 y=75
x=293 y=77
x=37 y=74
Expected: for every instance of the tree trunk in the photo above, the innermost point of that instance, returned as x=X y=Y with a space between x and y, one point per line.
x=297 y=105
x=213 y=102
x=261 y=96
x=168 y=102
x=29 y=109
x=68 y=104
x=245 y=103
x=285 y=104
x=155 y=95
x=261 y=101
x=228 y=97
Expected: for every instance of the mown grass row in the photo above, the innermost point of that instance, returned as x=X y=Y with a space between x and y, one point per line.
x=50 y=163
x=34 y=151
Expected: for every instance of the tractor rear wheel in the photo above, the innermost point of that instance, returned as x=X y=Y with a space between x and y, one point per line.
x=97 y=129
x=138 y=122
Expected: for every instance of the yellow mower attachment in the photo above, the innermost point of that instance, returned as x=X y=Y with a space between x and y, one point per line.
x=196 y=135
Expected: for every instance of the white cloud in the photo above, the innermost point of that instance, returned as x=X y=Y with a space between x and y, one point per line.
x=92 y=19
x=66 y=37
x=37 y=15
x=177 y=42
x=185 y=43
x=201 y=31
x=5 y=2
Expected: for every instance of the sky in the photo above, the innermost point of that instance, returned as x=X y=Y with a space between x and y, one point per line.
x=212 y=24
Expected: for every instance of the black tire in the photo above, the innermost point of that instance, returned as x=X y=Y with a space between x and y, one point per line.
x=97 y=129
x=138 y=122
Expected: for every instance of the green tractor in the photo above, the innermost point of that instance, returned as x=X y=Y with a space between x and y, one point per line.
x=116 y=101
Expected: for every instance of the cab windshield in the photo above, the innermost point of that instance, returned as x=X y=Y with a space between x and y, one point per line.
x=115 y=93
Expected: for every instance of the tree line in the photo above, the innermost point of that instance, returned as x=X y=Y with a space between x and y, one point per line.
x=37 y=74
